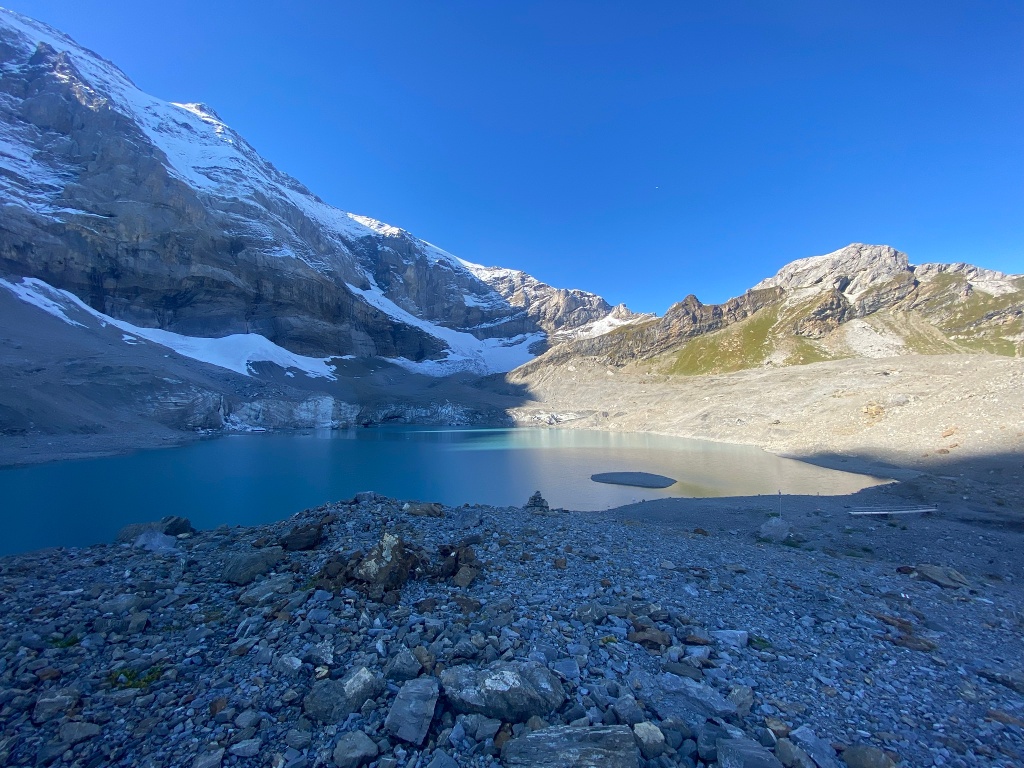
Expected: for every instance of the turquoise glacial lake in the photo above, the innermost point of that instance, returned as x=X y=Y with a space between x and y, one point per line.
x=249 y=479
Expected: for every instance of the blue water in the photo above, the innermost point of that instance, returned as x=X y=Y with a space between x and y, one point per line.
x=249 y=479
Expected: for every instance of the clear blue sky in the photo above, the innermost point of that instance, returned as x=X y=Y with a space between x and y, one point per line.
x=640 y=153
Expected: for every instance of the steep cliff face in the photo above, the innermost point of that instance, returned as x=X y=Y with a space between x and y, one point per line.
x=162 y=215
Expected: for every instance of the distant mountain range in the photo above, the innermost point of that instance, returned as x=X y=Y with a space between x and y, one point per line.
x=859 y=301
x=146 y=232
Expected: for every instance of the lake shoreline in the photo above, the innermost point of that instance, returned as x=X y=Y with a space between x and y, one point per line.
x=653 y=635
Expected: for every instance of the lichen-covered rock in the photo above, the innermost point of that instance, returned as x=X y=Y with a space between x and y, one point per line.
x=510 y=691
x=331 y=701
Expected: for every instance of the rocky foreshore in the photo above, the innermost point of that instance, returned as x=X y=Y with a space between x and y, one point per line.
x=380 y=633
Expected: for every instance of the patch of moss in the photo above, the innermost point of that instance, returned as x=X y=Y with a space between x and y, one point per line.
x=132 y=678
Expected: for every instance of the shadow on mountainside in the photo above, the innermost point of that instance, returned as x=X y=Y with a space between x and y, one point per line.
x=79 y=391
x=977 y=528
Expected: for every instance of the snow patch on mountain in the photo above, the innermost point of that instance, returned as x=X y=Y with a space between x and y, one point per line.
x=465 y=351
x=35 y=292
x=235 y=352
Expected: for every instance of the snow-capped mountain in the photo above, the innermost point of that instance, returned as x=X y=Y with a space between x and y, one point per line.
x=159 y=214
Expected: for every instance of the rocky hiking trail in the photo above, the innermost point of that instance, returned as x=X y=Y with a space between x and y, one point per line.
x=380 y=633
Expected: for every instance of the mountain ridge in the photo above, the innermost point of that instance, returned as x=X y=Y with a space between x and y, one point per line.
x=162 y=215
x=157 y=248
x=816 y=302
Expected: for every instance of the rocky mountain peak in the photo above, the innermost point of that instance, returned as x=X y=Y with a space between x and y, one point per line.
x=160 y=215
x=851 y=271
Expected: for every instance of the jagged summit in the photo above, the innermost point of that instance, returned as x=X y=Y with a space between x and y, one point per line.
x=859 y=301
x=851 y=271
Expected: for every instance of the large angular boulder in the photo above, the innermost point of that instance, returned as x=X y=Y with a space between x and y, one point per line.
x=566 y=746
x=353 y=750
x=331 y=701
x=512 y=691
x=244 y=568
x=815 y=746
x=387 y=566
x=672 y=696
x=745 y=753
x=302 y=537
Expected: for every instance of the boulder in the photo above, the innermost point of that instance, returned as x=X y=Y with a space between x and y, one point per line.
x=424 y=509
x=331 y=701
x=387 y=566
x=865 y=756
x=650 y=739
x=354 y=749
x=685 y=699
x=566 y=746
x=172 y=525
x=650 y=638
x=511 y=691
x=947 y=578
x=53 y=704
x=74 y=731
x=776 y=529
x=403 y=666
x=819 y=750
x=302 y=537
x=175 y=525
x=212 y=759
x=745 y=753
x=243 y=569
x=413 y=709
x=155 y=542
x=736 y=638
x=792 y=756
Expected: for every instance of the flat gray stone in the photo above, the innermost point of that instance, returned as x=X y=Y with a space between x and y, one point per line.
x=865 y=756
x=246 y=748
x=74 y=731
x=209 y=759
x=155 y=542
x=685 y=699
x=52 y=704
x=637 y=479
x=819 y=750
x=354 y=749
x=566 y=746
x=745 y=753
x=947 y=578
x=737 y=638
x=413 y=709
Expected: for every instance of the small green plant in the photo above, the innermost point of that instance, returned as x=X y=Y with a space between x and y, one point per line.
x=67 y=642
x=759 y=643
x=132 y=678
